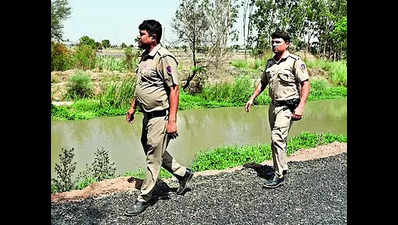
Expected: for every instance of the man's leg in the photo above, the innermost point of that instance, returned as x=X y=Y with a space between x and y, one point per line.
x=183 y=174
x=152 y=139
x=280 y=123
x=154 y=147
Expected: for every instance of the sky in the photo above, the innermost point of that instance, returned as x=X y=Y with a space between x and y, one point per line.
x=118 y=20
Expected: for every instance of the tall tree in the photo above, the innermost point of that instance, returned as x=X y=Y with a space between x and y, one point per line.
x=191 y=24
x=106 y=43
x=60 y=11
x=222 y=14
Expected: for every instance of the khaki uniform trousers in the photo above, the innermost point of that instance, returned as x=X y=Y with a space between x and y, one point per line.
x=155 y=141
x=280 y=123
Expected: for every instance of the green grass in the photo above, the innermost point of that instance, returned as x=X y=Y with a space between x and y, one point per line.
x=232 y=156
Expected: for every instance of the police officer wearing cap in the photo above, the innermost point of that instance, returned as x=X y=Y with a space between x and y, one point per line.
x=157 y=95
x=289 y=87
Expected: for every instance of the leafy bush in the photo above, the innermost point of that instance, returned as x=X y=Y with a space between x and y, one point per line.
x=102 y=166
x=60 y=57
x=79 y=86
x=84 y=57
x=64 y=171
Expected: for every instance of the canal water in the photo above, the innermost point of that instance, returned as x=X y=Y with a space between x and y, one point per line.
x=199 y=130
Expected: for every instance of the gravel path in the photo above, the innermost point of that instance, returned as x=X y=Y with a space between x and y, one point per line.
x=315 y=192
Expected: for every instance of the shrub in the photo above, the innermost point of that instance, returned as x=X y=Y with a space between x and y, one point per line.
x=84 y=57
x=131 y=58
x=79 y=86
x=60 y=57
x=102 y=167
x=64 y=171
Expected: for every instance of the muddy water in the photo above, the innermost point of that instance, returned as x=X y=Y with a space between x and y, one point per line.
x=199 y=130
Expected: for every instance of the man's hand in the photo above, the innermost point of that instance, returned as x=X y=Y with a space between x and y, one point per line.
x=172 y=129
x=130 y=115
x=298 y=113
x=248 y=105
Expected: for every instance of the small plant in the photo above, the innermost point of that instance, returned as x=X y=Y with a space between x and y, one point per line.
x=79 y=86
x=102 y=167
x=64 y=171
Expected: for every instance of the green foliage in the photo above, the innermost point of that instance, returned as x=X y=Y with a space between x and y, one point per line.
x=60 y=57
x=232 y=156
x=106 y=43
x=86 y=40
x=236 y=93
x=59 y=13
x=84 y=57
x=110 y=63
x=102 y=167
x=130 y=59
x=79 y=86
x=64 y=171
x=324 y=21
x=118 y=94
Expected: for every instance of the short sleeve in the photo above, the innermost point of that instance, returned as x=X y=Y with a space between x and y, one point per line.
x=301 y=71
x=264 y=78
x=168 y=69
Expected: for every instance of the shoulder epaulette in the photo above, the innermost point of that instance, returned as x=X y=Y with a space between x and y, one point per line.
x=295 y=57
x=163 y=52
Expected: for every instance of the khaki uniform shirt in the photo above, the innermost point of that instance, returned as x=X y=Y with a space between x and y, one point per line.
x=156 y=71
x=284 y=78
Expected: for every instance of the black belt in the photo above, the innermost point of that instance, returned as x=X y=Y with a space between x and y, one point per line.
x=158 y=113
x=286 y=102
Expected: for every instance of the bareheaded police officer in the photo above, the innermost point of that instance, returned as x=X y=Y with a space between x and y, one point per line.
x=289 y=86
x=157 y=95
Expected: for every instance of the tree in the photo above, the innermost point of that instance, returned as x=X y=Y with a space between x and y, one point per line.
x=222 y=15
x=191 y=24
x=106 y=43
x=59 y=12
x=206 y=25
x=86 y=40
x=307 y=22
x=247 y=6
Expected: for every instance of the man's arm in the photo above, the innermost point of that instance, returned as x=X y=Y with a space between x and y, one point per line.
x=173 y=108
x=260 y=88
x=305 y=90
x=131 y=111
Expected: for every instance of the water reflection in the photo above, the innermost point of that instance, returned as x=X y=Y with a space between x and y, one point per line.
x=199 y=130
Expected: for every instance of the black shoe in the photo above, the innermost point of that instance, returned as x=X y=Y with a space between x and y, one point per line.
x=184 y=181
x=276 y=181
x=137 y=208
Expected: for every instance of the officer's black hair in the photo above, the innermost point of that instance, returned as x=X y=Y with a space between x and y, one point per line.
x=281 y=34
x=153 y=27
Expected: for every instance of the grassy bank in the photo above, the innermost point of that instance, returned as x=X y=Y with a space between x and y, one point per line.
x=215 y=159
x=115 y=100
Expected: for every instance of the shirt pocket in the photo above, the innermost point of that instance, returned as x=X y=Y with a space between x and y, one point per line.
x=286 y=78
